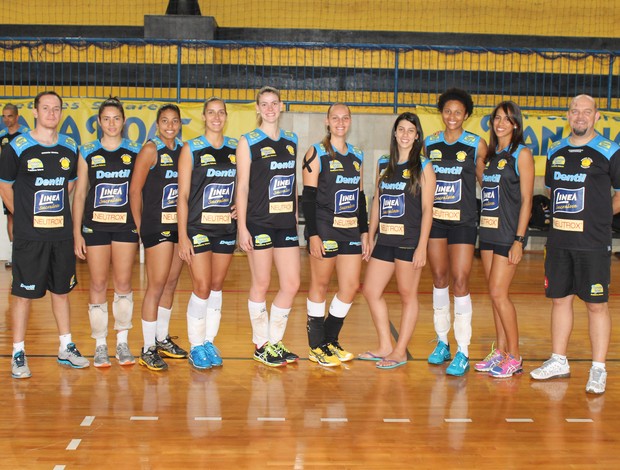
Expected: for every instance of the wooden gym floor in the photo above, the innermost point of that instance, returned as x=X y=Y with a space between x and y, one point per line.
x=303 y=416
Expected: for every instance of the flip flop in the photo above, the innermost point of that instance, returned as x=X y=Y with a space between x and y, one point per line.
x=390 y=364
x=369 y=357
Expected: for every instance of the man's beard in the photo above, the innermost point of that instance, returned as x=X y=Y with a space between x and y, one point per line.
x=580 y=132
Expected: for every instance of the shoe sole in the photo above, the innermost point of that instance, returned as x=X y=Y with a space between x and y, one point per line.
x=270 y=364
x=506 y=376
x=437 y=362
x=163 y=352
x=157 y=369
x=461 y=374
x=594 y=392
x=66 y=362
x=125 y=363
x=559 y=376
x=321 y=363
x=193 y=364
x=103 y=365
x=22 y=376
x=345 y=359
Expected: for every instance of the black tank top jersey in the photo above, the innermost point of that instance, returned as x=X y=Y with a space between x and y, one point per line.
x=338 y=193
x=6 y=138
x=501 y=199
x=160 y=192
x=40 y=175
x=455 y=169
x=580 y=180
x=213 y=186
x=400 y=212
x=271 y=200
x=109 y=172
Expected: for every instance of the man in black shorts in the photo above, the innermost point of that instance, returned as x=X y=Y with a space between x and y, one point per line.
x=581 y=169
x=10 y=118
x=37 y=173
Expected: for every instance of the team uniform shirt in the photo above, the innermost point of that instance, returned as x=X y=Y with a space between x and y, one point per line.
x=455 y=168
x=161 y=190
x=40 y=175
x=109 y=172
x=580 y=181
x=501 y=198
x=212 y=191
x=272 y=200
x=6 y=138
x=338 y=191
x=400 y=211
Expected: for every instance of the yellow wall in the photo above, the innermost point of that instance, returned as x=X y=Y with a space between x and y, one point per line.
x=579 y=18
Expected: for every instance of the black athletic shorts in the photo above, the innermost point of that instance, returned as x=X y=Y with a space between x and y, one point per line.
x=153 y=239
x=264 y=238
x=99 y=238
x=203 y=242
x=584 y=273
x=41 y=266
x=334 y=248
x=456 y=234
x=391 y=253
x=501 y=250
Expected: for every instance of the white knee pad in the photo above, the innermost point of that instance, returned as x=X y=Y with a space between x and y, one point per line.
x=214 y=315
x=462 y=328
x=98 y=315
x=122 y=309
x=441 y=320
x=260 y=322
x=277 y=323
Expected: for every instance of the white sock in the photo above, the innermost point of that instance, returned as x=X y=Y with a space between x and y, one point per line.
x=559 y=357
x=100 y=341
x=17 y=347
x=64 y=341
x=599 y=365
x=122 y=336
x=149 y=329
x=163 y=322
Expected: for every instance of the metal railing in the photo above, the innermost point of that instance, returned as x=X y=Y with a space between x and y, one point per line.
x=382 y=77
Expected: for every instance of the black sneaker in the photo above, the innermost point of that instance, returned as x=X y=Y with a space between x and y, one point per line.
x=169 y=348
x=268 y=356
x=284 y=353
x=152 y=360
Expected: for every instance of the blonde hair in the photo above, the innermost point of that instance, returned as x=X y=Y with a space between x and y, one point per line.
x=262 y=91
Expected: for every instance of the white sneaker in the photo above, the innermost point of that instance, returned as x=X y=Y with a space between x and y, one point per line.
x=596 y=381
x=551 y=369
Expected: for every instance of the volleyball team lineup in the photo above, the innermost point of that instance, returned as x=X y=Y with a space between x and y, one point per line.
x=194 y=202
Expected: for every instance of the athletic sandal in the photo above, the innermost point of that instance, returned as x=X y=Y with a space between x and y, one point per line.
x=368 y=356
x=389 y=364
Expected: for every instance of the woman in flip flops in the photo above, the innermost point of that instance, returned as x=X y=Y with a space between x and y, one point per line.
x=337 y=231
x=401 y=216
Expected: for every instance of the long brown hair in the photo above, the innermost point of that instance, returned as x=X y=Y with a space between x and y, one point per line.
x=414 y=161
x=515 y=118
